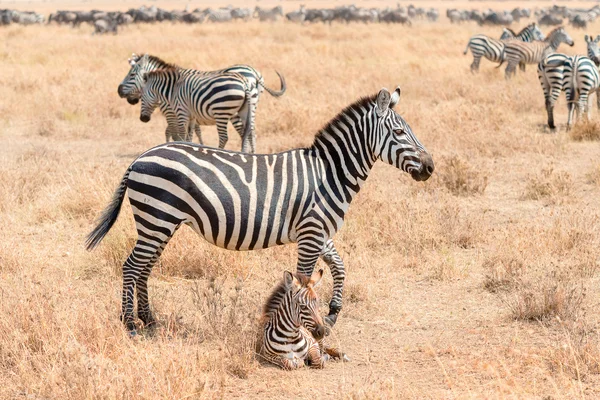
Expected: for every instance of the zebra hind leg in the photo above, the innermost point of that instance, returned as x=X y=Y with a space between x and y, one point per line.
x=550 y=111
x=144 y=313
x=338 y=272
x=222 y=131
x=475 y=64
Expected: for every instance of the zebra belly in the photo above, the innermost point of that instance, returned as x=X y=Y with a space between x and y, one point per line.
x=235 y=201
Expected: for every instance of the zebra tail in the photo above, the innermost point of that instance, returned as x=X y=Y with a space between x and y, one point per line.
x=574 y=87
x=468 y=47
x=109 y=215
x=501 y=62
x=272 y=92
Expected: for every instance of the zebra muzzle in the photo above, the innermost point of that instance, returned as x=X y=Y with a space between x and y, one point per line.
x=319 y=332
x=132 y=101
x=144 y=118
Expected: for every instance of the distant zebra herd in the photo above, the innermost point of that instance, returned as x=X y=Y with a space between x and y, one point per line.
x=577 y=76
x=245 y=201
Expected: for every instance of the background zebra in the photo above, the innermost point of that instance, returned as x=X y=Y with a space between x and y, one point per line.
x=581 y=79
x=206 y=99
x=131 y=86
x=532 y=53
x=551 y=76
x=493 y=49
x=244 y=202
x=292 y=328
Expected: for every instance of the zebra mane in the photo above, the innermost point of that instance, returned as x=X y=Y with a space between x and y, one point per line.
x=363 y=102
x=279 y=293
x=162 y=64
x=552 y=32
x=513 y=32
x=162 y=72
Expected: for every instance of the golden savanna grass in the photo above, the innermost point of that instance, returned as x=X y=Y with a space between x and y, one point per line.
x=479 y=283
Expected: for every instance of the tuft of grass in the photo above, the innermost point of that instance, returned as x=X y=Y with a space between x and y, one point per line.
x=549 y=184
x=460 y=178
x=503 y=272
x=544 y=299
x=585 y=130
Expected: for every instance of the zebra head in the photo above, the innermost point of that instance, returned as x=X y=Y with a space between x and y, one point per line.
x=536 y=32
x=304 y=303
x=592 y=49
x=397 y=145
x=558 y=36
x=156 y=87
x=131 y=86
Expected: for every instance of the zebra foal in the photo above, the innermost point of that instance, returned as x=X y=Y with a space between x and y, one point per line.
x=493 y=49
x=293 y=333
x=518 y=52
x=241 y=201
x=131 y=86
x=202 y=99
x=581 y=80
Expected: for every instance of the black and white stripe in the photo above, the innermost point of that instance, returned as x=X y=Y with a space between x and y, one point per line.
x=292 y=326
x=240 y=201
x=518 y=52
x=581 y=80
x=493 y=49
x=204 y=99
x=551 y=76
x=133 y=83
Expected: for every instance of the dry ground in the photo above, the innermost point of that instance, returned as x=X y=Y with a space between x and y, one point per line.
x=480 y=283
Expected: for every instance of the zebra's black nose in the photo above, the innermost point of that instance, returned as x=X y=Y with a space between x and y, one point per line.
x=132 y=101
x=319 y=332
x=120 y=91
x=144 y=118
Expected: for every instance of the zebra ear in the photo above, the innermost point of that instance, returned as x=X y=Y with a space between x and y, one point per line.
x=395 y=97
x=315 y=279
x=597 y=39
x=383 y=102
x=586 y=38
x=288 y=278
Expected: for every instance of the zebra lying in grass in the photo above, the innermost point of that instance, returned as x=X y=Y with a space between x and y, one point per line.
x=244 y=202
x=133 y=83
x=493 y=49
x=293 y=333
x=552 y=71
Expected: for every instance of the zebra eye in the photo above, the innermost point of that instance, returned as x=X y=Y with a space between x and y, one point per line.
x=399 y=131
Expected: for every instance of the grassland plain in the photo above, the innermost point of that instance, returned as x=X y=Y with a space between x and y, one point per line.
x=479 y=283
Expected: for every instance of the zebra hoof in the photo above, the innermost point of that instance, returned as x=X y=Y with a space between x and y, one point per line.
x=330 y=321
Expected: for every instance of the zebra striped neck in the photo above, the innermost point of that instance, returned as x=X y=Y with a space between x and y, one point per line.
x=345 y=149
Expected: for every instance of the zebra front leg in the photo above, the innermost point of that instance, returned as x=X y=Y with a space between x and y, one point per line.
x=314 y=357
x=510 y=70
x=333 y=260
x=550 y=111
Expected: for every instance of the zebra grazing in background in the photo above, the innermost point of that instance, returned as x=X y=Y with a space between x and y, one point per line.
x=239 y=201
x=132 y=85
x=551 y=76
x=533 y=53
x=206 y=99
x=581 y=79
x=493 y=49
x=293 y=332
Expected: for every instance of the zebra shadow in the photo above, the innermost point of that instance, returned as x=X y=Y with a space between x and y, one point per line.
x=544 y=128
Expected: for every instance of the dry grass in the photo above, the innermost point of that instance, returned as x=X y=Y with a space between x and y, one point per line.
x=461 y=179
x=551 y=185
x=585 y=130
x=444 y=278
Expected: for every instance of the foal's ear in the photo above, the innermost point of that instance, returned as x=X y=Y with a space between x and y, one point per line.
x=290 y=280
x=395 y=97
x=383 y=102
x=315 y=279
x=586 y=38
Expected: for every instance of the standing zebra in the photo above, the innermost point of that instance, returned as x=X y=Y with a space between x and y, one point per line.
x=581 y=79
x=551 y=76
x=493 y=49
x=551 y=73
x=205 y=99
x=240 y=201
x=132 y=85
x=518 y=52
x=293 y=332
